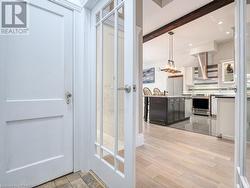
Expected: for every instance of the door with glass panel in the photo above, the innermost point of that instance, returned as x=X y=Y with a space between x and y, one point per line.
x=243 y=94
x=113 y=131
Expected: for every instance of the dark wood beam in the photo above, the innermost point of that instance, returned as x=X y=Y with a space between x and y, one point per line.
x=206 y=9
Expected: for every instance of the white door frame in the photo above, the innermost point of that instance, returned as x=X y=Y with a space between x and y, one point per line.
x=241 y=95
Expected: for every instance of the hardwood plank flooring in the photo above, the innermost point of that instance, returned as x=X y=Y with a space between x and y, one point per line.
x=173 y=158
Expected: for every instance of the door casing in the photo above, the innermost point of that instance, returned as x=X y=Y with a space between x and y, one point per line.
x=241 y=95
x=79 y=135
x=89 y=5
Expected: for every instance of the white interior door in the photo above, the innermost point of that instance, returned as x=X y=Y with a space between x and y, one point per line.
x=36 y=129
x=113 y=129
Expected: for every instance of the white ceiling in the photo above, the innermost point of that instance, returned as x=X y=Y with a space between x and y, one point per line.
x=200 y=31
x=154 y=16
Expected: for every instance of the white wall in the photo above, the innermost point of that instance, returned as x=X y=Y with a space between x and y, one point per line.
x=184 y=59
x=160 y=76
x=225 y=52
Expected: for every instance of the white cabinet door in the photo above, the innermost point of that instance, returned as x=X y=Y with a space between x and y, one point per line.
x=178 y=86
x=36 y=129
x=226 y=117
x=188 y=107
x=170 y=86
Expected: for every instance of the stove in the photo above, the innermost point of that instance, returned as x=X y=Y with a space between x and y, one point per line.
x=201 y=105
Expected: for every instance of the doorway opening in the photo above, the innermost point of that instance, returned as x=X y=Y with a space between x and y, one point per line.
x=188 y=82
x=188 y=120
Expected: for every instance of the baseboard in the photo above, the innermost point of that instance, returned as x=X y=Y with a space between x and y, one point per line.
x=139 y=140
x=227 y=137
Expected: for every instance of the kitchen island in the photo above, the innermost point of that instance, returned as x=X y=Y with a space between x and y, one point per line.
x=166 y=110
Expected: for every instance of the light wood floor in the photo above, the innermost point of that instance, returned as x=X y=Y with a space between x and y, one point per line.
x=174 y=158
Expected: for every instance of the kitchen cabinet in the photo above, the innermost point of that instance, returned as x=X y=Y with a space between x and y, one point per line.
x=178 y=86
x=166 y=110
x=176 y=109
x=158 y=110
x=188 y=107
x=226 y=117
x=170 y=110
x=182 y=108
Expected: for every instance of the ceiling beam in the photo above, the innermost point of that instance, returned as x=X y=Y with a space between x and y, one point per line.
x=206 y=9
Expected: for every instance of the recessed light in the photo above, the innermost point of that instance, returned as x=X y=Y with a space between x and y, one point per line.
x=220 y=22
x=190 y=44
x=227 y=32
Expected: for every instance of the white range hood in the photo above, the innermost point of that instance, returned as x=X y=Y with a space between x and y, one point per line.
x=204 y=55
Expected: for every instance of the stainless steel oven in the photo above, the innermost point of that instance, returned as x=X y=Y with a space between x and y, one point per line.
x=201 y=105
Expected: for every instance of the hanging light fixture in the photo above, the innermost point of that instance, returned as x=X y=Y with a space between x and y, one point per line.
x=170 y=67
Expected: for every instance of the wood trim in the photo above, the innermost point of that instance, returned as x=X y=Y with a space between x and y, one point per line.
x=206 y=9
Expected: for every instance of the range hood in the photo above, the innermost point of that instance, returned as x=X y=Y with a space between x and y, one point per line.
x=162 y=3
x=204 y=54
x=203 y=63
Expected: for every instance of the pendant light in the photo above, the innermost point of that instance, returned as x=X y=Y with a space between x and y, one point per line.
x=170 y=67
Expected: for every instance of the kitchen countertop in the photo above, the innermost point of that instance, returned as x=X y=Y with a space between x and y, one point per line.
x=164 y=96
x=219 y=95
x=224 y=96
x=194 y=96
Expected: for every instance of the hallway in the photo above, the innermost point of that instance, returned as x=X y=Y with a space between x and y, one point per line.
x=173 y=158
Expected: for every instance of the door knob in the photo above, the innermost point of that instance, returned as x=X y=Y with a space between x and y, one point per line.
x=68 y=97
x=127 y=88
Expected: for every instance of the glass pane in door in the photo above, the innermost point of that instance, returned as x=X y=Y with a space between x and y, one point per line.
x=108 y=83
